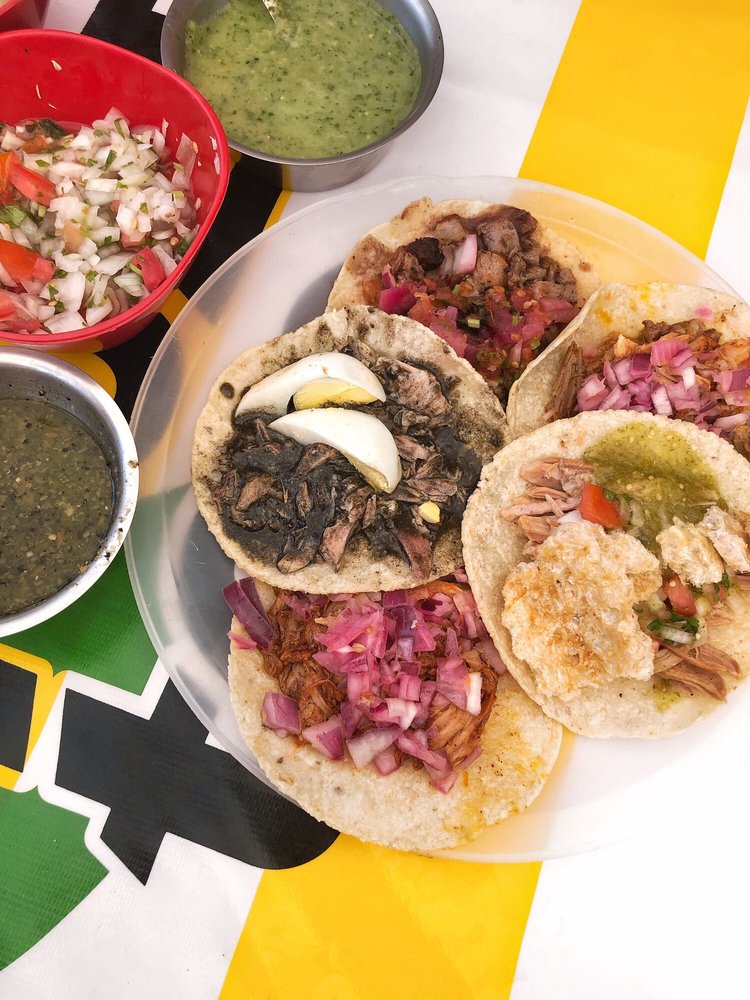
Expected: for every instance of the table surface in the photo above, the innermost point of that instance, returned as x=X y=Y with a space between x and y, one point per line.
x=137 y=859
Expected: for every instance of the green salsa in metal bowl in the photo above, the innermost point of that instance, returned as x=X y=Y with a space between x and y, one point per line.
x=56 y=495
x=333 y=77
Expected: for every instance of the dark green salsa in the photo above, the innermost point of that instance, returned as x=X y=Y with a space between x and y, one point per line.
x=336 y=76
x=55 y=498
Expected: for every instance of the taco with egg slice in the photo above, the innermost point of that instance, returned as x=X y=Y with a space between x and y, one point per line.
x=608 y=556
x=491 y=280
x=675 y=350
x=388 y=716
x=340 y=457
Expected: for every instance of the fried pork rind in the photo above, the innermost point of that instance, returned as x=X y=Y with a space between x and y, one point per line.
x=570 y=610
x=493 y=547
x=621 y=309
x=687 y=551
x=519 y=748
x=727 y=537
x=479 y=423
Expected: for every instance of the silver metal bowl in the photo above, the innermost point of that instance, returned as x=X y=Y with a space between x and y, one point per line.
x=26 y=374
x=420 y=23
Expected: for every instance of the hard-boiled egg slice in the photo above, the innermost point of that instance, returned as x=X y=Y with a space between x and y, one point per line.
x=360 y=437
x=272 y=393
x=329 y=391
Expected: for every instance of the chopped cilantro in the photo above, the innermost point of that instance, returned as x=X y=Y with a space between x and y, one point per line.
x=42 y=163
x=51 y=129
x=12 y=215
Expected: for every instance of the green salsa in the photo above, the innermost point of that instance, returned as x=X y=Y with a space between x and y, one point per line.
x=55 y=497
x=337 y=76
x=658 y=469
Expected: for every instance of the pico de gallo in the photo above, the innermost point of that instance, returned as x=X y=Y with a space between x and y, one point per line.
x=92 y=219
x=486 y=285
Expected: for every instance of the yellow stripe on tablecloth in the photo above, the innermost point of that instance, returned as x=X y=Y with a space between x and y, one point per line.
x=368 y=923
x=645 y=109
x=173 y=305
x=48 y=686
x=278 y=209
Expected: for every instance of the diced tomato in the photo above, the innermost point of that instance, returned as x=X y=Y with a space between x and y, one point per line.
x=150 y=267
x=7 y=306
x=32 y=185
x=679 y=596
x=595 y=507
x=22 y=263
x=6 y=162
x=35 y=144
x=422 y=311
x=43 y=270
x=451 y=335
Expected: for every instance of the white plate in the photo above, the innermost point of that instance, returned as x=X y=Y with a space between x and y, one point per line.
x=600 y=790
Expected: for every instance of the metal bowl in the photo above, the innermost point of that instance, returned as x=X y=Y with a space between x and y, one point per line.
x=420 y=23
x=28 y=374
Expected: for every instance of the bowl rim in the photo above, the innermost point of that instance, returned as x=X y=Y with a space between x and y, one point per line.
x=147 y=304
x=418 y=108
x=125 y=500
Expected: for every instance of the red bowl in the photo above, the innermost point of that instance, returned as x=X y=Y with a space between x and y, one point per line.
x=22 y=14
x=93 y=77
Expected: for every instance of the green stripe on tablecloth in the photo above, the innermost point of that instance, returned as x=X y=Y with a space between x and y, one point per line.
x=46 y=874
x=101 y=635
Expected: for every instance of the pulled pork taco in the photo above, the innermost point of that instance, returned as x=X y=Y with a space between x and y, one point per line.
x=389 y=716
x=674 y=350
x=491 y=280
x=340 y=457
x=608 y=555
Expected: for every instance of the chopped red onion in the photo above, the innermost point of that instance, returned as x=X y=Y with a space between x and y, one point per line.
x=664 y=350
x=465 y=257
x=243 y=641
x=733 y=420
x=558 y=310
x=351 y=716
x=385 y=762
x=733 y=381
x=398 y=299
x=247 y=607
x=660 y=399
x=366 y=746
x=280 y=712
x=328 y=737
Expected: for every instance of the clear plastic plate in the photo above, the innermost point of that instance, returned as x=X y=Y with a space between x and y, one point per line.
x=599 y=791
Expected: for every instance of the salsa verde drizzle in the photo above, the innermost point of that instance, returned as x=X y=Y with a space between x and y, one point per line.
x=343 y=75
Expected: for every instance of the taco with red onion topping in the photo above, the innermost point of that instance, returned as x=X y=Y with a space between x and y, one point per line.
x=491 y=280
x=389 y=716
x=675 y=350
x=610 y=561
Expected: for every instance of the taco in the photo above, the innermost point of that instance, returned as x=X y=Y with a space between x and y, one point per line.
x=388 y=716
x=491 y=280
x=675 y=350
x=608 y=555
x=363 y=485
